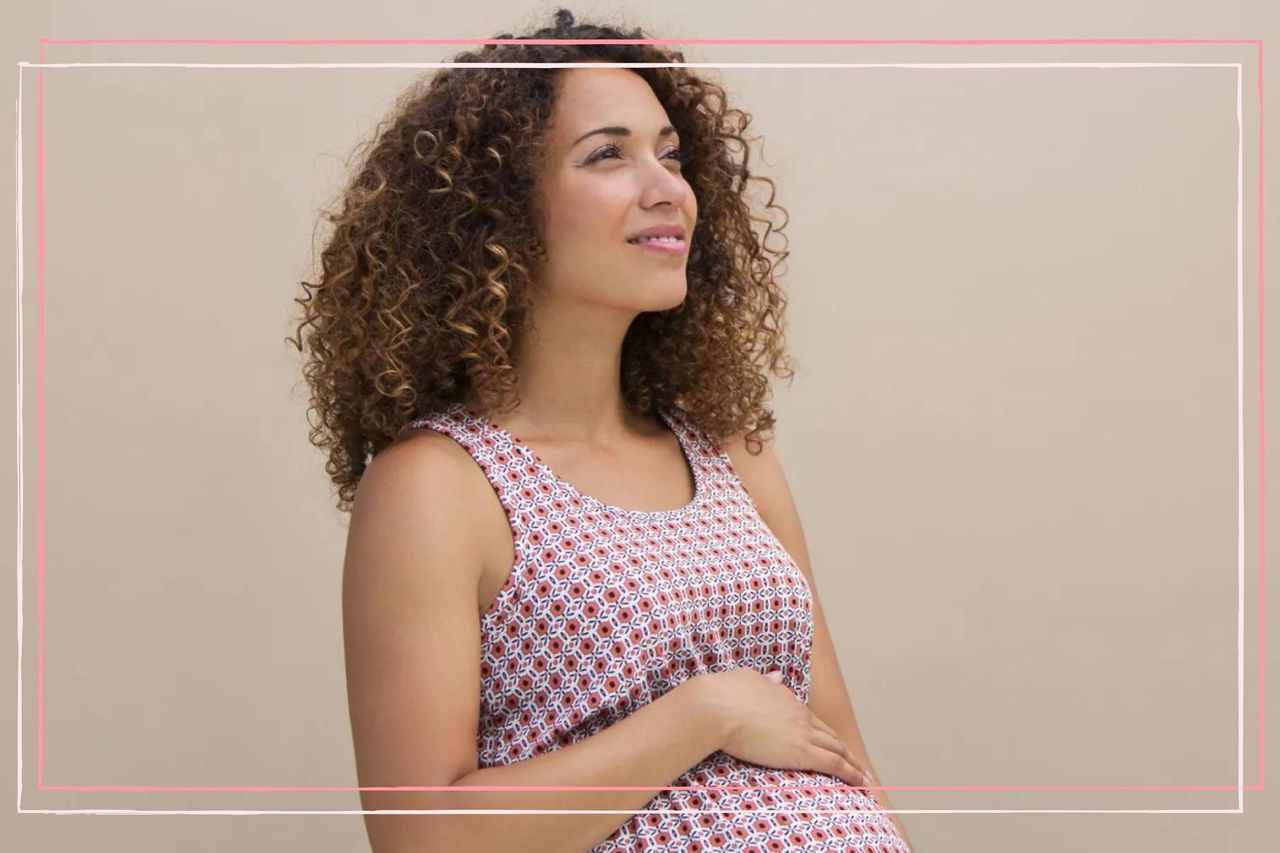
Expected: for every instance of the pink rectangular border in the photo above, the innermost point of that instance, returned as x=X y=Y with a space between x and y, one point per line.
x=40 y=409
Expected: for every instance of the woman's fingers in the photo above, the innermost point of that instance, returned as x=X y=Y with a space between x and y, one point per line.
x=831 y=763
x=837 y=747
x=820 y=723
x=844 y=747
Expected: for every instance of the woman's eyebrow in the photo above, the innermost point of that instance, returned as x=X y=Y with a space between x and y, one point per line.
x=617 y=130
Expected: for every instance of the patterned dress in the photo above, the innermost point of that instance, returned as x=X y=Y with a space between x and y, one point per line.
x=607 y=609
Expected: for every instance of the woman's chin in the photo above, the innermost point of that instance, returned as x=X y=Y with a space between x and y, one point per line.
x=666 y=298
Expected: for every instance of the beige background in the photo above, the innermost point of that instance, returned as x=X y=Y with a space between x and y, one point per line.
x=1013 y=439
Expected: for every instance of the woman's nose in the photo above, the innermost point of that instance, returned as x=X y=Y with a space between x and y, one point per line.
x=662 y=181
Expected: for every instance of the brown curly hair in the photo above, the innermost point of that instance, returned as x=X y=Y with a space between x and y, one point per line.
x=424 y=282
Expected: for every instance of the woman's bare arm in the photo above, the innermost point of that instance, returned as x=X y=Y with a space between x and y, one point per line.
x=412 y=636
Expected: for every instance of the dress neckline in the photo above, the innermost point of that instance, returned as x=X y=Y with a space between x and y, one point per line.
x=673 y=422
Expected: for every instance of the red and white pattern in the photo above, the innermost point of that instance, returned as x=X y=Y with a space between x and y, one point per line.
x=608 y=608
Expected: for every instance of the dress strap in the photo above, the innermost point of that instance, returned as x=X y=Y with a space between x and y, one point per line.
x=514 y=479
x=724 y=488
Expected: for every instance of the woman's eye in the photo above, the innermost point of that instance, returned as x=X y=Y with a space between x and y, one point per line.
x=605 y=154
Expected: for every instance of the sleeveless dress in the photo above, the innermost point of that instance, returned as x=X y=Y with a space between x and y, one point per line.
x=607 y=609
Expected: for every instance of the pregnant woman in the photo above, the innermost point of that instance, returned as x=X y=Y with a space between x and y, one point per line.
x=538 y=351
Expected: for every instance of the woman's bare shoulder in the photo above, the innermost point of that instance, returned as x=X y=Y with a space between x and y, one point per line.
x=420 y=488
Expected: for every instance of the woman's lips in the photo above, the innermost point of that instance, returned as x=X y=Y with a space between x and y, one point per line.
x=676 y=247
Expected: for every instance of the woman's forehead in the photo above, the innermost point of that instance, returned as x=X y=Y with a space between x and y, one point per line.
x=609 y=113
x=596 y=97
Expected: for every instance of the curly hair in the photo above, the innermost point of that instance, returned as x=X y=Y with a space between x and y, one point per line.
x=424 y=282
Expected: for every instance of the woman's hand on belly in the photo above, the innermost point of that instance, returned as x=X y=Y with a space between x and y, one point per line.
x=764 y=723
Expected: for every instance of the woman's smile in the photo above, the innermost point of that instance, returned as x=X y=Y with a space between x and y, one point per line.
x=666 y=245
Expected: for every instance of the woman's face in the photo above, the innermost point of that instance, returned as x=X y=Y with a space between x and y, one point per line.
x=598 y=189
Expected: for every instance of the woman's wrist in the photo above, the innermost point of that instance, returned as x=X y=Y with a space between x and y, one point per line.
x=706 y=709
